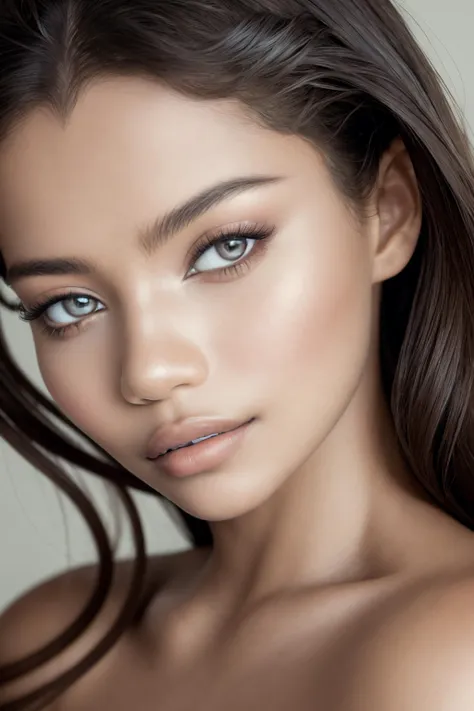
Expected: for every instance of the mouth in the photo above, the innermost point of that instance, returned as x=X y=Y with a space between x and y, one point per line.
x=191 y=443
x=205 y=453
x=188 y=434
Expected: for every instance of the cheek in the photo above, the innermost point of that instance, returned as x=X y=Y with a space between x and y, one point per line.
x=307 y=322
x=78 y=384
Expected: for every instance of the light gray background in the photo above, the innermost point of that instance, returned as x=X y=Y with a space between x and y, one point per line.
x=40 y=532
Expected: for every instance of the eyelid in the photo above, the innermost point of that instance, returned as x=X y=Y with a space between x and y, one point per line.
x=34 y=311
x=242 y=229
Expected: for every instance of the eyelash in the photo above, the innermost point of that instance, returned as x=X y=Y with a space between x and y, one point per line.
x=260 y=233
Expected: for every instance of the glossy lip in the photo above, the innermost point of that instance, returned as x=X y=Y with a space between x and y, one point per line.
x=183 y=432
x=204 y=457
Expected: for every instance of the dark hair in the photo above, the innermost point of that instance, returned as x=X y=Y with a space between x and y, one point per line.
x=344 y=74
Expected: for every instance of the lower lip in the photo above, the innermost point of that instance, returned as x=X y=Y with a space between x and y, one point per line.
x=204 y=456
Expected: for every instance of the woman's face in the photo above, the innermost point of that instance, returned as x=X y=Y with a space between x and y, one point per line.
x=277 y=329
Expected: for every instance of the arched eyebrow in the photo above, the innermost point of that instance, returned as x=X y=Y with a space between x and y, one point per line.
x=151 y=238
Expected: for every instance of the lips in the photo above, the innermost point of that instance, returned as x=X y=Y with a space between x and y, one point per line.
x=187 y=432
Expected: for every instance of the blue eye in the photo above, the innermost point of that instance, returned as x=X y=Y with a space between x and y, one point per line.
x=223 y=252
x=229 y=252
x=75 y=302
x=79 y=304
x=227 y=248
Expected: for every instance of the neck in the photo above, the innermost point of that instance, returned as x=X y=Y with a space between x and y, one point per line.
x=347 y=514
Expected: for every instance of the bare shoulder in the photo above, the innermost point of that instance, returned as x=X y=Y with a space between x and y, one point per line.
x=420 y=655
x=44 y=612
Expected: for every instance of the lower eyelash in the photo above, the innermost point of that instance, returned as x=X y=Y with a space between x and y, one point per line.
x=58 y=332
x=35 y=313
x=242 y=266
x=236 y=268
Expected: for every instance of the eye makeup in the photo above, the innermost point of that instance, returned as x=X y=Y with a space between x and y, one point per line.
x=244 y=233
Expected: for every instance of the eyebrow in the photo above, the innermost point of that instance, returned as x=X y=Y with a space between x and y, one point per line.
x=153 y=237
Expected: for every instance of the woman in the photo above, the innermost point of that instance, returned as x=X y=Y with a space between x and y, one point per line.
x=242 y=231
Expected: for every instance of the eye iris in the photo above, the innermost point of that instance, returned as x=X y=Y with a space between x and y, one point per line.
x=81 y=302
x=231 y=248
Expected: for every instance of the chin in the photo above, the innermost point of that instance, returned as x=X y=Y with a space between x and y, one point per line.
x=222 y=496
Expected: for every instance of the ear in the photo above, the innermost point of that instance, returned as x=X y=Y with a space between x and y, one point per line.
x=398 y=210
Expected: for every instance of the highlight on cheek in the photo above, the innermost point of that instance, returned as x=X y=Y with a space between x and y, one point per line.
x=241 y=246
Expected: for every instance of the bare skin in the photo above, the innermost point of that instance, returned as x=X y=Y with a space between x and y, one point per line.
x=332 y=573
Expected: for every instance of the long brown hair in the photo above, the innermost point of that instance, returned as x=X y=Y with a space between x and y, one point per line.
x=344 y=74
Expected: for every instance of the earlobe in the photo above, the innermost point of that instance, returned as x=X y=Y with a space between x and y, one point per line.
x=399 y=212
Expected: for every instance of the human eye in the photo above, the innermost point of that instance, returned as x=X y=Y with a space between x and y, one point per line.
x=231 y=250
x=72 y=306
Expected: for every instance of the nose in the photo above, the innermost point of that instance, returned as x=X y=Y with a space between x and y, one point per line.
x=153 y=368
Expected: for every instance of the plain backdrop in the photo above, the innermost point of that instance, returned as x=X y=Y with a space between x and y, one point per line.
x=41 y=534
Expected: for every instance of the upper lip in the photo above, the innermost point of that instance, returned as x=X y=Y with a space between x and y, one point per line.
x=180 y=433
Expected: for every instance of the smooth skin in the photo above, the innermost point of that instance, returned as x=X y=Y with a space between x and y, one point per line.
x=334 y=583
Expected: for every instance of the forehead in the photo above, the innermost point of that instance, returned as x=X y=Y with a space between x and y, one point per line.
x=122 y=123
x=129 y=146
